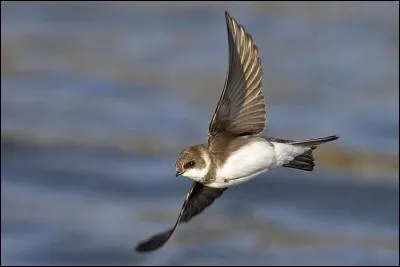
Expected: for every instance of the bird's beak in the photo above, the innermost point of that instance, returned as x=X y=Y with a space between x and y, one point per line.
x=178 y=173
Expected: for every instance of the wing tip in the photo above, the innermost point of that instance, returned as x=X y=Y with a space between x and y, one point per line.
x=230 y=21
x=141 y=248
x=227 y=16
x=233 y=26
x=155 y=242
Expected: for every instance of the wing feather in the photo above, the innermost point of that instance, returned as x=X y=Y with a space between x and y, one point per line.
x=197 y=199
x=241 y=107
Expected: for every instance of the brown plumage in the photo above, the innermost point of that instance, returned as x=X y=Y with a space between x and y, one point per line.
x=237 y=120
x=240 y=109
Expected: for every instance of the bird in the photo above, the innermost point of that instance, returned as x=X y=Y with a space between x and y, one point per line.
x=235 y=152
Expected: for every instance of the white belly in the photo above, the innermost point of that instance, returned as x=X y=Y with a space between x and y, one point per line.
x=253 y=159
x=247 y=162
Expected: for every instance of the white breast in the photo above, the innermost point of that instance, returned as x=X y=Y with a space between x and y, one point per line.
x=253 y=159
x=196 y=174
x=247 y=162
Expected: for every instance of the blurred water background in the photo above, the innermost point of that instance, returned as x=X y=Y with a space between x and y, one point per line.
x=98 y=98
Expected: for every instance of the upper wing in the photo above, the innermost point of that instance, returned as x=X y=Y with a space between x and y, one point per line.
x=197 y=199
x=241 y=108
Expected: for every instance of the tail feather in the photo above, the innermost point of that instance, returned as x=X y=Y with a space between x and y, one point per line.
x=305 y=161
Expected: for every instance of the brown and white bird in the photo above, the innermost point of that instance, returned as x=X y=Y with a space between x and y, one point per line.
x=235 y=153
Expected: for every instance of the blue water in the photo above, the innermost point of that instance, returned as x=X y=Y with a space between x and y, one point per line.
x=98 y=99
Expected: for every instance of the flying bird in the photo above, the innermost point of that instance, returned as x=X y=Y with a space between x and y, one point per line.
x=235 y=153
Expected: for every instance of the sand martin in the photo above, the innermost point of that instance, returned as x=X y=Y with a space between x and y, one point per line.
x=235 y=153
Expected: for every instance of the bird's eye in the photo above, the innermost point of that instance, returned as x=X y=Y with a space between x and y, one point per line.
x=189 y=164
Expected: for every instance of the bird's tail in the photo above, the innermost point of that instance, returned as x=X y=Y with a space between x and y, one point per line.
x=305 y=161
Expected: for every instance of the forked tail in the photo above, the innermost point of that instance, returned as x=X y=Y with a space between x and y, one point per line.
x=305 y=161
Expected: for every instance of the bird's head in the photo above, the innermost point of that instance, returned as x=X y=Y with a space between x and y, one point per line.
x=193 y=162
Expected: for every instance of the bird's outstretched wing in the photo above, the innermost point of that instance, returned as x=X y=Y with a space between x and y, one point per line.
x=197 y=199
x=241 y=108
